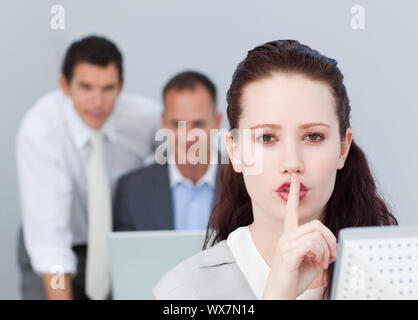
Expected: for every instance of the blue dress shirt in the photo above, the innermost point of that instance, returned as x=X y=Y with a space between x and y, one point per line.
x=192 y=203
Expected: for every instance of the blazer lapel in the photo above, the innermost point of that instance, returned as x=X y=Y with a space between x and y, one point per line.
x=162 y=208
x=218 y=263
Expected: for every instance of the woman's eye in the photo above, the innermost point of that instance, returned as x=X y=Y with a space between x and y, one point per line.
x=317 y=137
x=266 y=138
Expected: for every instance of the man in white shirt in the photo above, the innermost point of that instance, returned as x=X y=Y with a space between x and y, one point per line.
x=72 y=147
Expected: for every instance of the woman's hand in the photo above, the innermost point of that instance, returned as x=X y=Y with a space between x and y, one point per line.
x=302 y=252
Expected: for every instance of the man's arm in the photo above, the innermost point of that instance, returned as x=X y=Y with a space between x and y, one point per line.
x=58 y=288
x=45 y=194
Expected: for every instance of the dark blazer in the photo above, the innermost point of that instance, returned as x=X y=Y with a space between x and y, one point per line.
x=143 y=200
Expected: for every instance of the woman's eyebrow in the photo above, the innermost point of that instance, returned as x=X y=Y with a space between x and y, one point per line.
x=278 y=126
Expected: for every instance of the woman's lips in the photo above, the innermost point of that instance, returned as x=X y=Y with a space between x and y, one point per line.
x=285 y=195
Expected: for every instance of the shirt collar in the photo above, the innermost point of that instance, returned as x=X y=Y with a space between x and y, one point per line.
x=209 y=177
x=254 y=267
x=249 y=260
x=80 y=132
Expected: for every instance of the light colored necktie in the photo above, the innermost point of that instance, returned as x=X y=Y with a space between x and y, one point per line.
x=99 y=221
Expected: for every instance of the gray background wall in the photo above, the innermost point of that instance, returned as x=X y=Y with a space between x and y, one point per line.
x=159 y=38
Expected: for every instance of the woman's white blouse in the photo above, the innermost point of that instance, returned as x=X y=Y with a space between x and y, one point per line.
x=253 y=266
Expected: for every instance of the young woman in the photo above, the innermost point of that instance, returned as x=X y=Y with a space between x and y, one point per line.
x=295 y=178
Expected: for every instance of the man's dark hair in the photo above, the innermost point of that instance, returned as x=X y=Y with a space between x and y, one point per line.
x=189 y=80
x=95 y=50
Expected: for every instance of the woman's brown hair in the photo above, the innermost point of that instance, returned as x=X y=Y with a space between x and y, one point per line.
x=354 y=201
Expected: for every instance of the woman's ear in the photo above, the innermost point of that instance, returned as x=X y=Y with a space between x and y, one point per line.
x=232 y=146
x=345 y=148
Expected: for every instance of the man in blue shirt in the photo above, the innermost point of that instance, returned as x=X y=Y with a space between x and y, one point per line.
x=179 y=194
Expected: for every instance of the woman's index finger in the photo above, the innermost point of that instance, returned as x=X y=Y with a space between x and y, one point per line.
x=291 y=221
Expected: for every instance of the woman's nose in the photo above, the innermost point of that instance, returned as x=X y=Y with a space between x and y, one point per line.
x=291 y=160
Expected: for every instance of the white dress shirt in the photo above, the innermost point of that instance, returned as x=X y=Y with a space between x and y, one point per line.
x=52 y=154
x=253 y=266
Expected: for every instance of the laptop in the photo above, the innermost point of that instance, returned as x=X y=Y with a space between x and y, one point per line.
x=138 y=259
x=376 y=263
